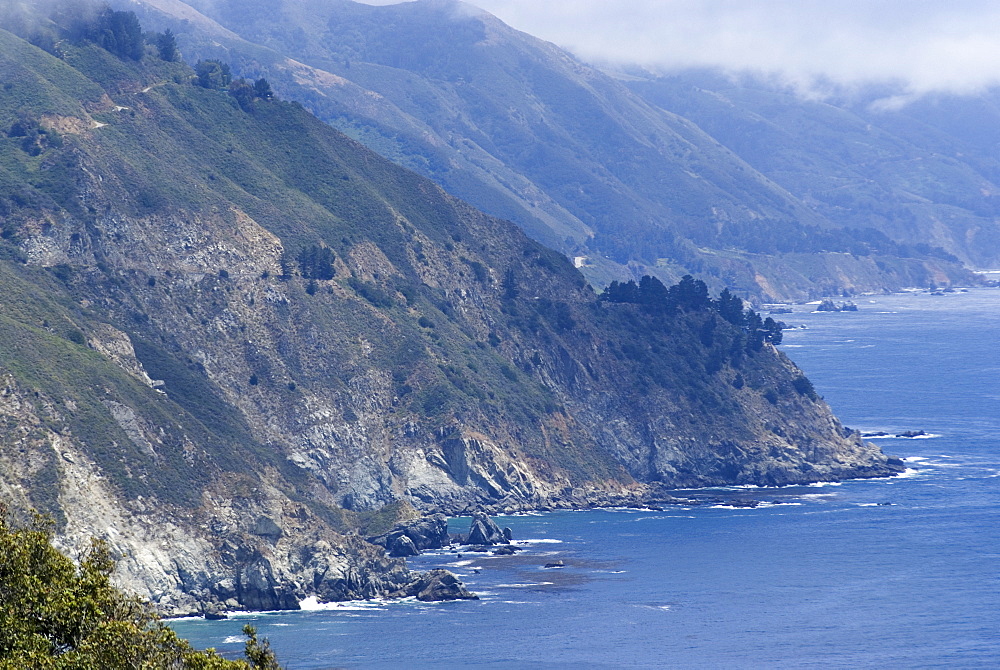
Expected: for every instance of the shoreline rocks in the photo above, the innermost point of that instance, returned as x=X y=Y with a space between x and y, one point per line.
x=259 y=586
x=411 y=537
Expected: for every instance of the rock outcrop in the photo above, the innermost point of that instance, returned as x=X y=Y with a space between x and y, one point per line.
x=412 y=537
x=439 y=585
x=485 y=531
x=427 y=532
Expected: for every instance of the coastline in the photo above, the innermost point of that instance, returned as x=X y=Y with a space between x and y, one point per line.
x=653 y=498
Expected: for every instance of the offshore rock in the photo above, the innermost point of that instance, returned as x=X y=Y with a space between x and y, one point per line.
x=484 y=531
x=438 y=585
x=505 y=550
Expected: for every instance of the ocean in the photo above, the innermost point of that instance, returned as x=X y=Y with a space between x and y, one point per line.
x=895 y=573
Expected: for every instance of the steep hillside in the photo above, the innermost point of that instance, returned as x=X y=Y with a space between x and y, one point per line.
x=524 y=131
x=230 y=335
x=924 y=173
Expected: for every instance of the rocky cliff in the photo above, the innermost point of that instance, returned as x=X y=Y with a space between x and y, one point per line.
x=231 y=337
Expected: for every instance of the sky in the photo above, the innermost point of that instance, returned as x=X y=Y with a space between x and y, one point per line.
x=939 y=45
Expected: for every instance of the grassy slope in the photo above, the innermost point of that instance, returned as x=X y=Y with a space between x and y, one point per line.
x=309 y=185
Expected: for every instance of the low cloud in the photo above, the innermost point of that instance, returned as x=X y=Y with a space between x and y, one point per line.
x=920 y=44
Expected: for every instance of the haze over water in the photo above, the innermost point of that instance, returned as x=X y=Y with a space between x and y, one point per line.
x=889 y=573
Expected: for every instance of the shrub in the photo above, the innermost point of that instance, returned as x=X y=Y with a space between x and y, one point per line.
x=803 y=386
x=478 y=270
x=54 y=614
x=370 y=292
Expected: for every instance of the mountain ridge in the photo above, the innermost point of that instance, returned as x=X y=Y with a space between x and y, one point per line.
x=517 y=126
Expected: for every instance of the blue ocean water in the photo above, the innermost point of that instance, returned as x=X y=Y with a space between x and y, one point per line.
x=900 y=573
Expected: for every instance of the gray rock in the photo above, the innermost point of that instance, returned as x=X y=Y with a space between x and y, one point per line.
x=505 y=550
x=484 y=531
x=224 y=588
x=266 y=527
x=439 y=585
x=402 y=546
x=259 y=589
x=427 y=532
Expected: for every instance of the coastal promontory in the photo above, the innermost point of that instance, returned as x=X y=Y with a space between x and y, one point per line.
x=234 y=343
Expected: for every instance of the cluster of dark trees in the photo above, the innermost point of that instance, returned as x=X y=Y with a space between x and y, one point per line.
x=690 y=295
x=316 y=262
x=213 y=74
x=217 y=75
x=118 y=32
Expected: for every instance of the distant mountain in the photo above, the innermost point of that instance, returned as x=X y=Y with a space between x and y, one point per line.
x=231 y=337
x=521 y=129
x=925 y=173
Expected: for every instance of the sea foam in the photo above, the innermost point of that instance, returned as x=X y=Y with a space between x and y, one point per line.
x=312 y=604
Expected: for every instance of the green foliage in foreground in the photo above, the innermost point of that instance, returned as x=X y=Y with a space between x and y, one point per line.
x=54 y=614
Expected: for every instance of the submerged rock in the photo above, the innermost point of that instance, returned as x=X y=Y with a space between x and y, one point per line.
x=506 y=550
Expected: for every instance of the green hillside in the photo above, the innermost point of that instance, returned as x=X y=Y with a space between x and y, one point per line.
x=231 y=337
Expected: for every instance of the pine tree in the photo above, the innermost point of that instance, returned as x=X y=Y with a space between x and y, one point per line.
x=729 y=307
x=166 y=45
x=262 y=89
